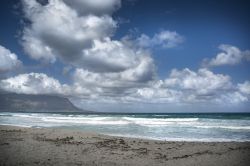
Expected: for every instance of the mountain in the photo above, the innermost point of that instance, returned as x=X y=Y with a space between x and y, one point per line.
x=12 y=102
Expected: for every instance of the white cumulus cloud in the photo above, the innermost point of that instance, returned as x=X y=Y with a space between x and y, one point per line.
x=94 y=6
x=181 y=86
x=57 y=31
x=32 y=83
x=165 y=39
x=203 y=81
x=244 y=87
x=78 y=33
x=116 y=83
x=230 y=55
x=187 y=86
x=8 y=60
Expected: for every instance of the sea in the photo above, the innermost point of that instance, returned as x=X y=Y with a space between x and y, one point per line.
x=205 y=127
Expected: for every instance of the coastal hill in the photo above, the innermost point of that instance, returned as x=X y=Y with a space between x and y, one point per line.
x=12 y=102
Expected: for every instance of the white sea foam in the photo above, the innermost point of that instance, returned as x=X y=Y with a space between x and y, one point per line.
x=161 y=119
x=23 y=116
x=226 y=127
x=160 y=122
x=17 y=125
x=85 y=121
x=75 y=118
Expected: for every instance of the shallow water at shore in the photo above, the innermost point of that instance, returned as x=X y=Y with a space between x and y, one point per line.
x=170 y=127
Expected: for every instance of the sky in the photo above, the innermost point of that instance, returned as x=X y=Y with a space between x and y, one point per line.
x=129 y=55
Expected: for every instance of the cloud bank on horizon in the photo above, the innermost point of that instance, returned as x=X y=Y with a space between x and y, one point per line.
x=79 y=34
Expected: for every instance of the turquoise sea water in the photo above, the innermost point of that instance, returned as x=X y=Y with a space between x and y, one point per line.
x=170 y=127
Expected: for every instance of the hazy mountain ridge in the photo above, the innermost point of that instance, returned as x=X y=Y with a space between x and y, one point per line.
x=36 y=103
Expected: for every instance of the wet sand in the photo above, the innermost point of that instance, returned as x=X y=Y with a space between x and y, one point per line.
x=32 y=146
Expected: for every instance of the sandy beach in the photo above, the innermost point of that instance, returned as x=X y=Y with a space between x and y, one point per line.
x=33 y=146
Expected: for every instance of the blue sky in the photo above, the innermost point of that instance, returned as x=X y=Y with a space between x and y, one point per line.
x=170 y=55
x=204 y=24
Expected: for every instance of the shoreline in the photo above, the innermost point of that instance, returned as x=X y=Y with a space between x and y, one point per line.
x=48 y=146
x=135 y=137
